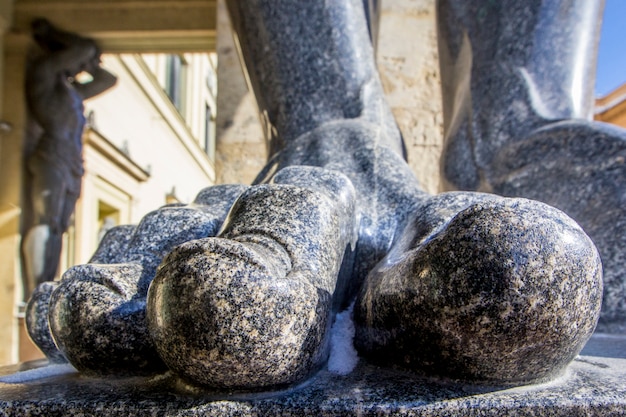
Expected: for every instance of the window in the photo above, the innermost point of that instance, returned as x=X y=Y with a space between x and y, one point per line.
x=209 y=132
x=175 y=80
x=108 y=217
x=68 y=251
x=211 y=80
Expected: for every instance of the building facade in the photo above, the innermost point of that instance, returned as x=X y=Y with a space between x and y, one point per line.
x=612 y=107
x=149 y=141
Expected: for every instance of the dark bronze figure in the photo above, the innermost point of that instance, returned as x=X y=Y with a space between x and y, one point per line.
x=53 y=164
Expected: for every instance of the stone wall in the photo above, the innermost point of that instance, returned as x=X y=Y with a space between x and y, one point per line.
x=241 y=151
x=409 y=68
x=407 y=59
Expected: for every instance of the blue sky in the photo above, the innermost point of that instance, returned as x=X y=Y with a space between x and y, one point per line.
x=612 y=54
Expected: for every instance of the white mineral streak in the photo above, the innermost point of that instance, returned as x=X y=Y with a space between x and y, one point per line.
x=343 y=355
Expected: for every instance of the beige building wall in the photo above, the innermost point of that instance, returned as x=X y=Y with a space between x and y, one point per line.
x=10 y=191
x=241 y=150
x=139 y=119
x=409 y=68
x=109 y=184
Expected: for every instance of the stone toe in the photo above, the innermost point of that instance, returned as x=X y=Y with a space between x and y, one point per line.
x=507 y=292
x=98 y=324
x=37 y=312
x=224 y=314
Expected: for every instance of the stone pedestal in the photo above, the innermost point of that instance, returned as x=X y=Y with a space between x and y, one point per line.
x=593 y=385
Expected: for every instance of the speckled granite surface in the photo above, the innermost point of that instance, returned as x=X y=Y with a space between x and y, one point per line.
x=243 y=297
x=97 y=312
x=253 y=306
x=485 y=294
x=591 y=386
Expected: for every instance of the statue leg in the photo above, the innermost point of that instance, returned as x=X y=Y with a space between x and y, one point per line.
x=322 y=101
x=34 y=253
x=518 y=97
x=42 y=243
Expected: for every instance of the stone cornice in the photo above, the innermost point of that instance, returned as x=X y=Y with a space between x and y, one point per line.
x=97 y=141
x=129 y=26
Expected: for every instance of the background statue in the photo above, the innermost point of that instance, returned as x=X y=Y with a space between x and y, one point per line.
x=53 y=163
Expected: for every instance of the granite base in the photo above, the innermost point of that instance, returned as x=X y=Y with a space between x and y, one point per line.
x=593 y=385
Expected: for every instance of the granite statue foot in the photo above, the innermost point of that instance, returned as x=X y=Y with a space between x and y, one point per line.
x=97 y=319
x=251 y=308
x=477 y=287
x=483 y=289
x=97 y=312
